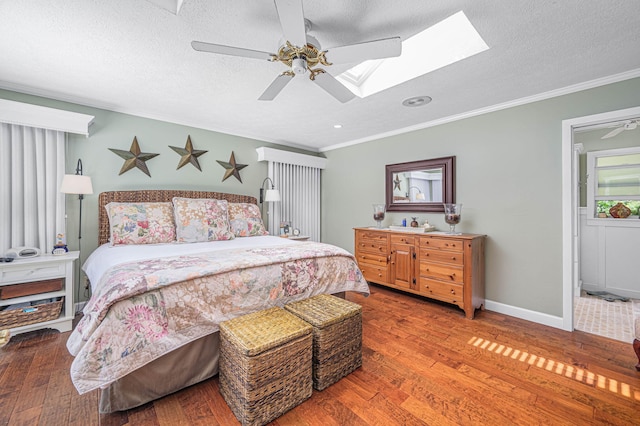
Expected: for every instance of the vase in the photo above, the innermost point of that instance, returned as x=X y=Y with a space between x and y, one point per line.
x=378 y=213
x=452 y=215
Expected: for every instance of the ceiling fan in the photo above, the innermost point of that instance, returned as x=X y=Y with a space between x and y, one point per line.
x=302 y=54
x=627 y=125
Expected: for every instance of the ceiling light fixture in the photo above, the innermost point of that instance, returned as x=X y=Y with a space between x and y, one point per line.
x=416 y=101
x=337 y=126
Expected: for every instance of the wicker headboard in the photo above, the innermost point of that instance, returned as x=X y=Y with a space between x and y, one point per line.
x=154 y=195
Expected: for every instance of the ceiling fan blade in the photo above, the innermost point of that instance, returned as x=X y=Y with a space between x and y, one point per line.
x=230 y=50
x=333 y=87
x=375 y=49
x=292 y=21
x=276 y=87
x=613 y=133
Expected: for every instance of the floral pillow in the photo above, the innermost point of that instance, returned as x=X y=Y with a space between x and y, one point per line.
x=246 y=220
x=141 y=223
x=201 y=219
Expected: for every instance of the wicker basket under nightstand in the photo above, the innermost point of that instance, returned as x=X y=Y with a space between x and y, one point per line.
x=265 y=364
x=337 y=336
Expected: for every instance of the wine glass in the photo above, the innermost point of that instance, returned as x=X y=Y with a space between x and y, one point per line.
x=378 y=213
x=452 y=215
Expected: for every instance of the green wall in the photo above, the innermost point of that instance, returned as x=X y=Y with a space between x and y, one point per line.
x=116 y=130
x=508 y=180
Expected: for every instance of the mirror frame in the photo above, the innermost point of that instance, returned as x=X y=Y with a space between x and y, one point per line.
x=448 y=165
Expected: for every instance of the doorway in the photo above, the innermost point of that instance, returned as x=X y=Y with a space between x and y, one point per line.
x=570 y=201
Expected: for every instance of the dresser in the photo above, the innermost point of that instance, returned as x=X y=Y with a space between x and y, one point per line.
x=37 y=278
x=449 y=268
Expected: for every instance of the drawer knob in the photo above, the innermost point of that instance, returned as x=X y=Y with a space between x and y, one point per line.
x=453 y=291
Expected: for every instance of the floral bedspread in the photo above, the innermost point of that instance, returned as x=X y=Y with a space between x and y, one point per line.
x=143 y=310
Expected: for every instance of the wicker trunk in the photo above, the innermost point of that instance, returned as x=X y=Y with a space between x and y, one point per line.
x=337 y=336
x=265 y=364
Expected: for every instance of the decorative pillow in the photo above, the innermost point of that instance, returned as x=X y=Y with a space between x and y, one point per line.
x=246 y=220
x=141 y=223
x=201 y=219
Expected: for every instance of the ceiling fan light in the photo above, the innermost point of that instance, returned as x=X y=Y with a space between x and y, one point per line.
x=299 y=66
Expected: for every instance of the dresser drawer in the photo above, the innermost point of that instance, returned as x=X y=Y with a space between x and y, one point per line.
x=381 y=237
x=376 y=274
x=372 y=259
x=372 y=246
x=448 y=273
x=451 y=293
x=33 y=272
x=441 y=243
x=442 y=256
x=403 y=239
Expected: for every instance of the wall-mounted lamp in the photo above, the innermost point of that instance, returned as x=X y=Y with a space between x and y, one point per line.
x=81 y=185
x=271 y=194
x=419 y=195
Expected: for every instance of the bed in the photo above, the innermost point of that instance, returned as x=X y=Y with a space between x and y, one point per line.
x=151 y=325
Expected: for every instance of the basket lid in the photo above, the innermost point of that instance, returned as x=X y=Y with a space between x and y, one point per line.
x=324 y=310
x=260 y=331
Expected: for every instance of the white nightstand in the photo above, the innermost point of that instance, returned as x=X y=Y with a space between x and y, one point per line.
x=42 y=268
x=299 y=238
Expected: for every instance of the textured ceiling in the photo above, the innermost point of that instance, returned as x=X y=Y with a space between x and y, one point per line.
x=135 y=57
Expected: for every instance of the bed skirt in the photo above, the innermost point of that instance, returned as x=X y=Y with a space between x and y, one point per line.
x=186 y=366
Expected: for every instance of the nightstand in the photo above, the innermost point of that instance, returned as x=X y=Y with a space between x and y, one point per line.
x=27 y=280
x=299 y=238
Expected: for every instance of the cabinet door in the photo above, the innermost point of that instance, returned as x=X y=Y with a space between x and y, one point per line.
x=402 y=265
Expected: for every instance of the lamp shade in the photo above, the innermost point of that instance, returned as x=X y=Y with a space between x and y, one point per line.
x=76 y=184
x=272 y=195
x=420 y=196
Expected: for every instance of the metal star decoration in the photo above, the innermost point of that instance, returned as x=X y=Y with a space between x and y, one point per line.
x=189 y=155
x=232 y=167
x=134 y=158
x=396 y=183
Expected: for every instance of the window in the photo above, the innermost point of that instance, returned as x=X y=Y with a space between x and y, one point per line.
x=613 y=176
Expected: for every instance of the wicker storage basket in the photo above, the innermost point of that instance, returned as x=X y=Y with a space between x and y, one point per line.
x=37 y=313
x=265 y=364
x=337 y=336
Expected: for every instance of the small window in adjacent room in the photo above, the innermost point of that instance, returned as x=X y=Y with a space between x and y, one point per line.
x=613 y=177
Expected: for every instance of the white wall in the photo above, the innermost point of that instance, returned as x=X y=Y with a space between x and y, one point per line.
x=609 y=253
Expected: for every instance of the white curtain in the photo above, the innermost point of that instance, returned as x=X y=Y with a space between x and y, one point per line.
x=32 y=207
x=299 y=188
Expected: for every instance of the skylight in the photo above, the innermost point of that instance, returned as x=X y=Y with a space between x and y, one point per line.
x=445 y=43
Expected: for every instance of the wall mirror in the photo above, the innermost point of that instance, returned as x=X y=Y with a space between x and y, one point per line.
x=420 y=186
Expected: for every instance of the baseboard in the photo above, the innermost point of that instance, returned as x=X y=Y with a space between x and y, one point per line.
x=79 y=306
x=525 y=314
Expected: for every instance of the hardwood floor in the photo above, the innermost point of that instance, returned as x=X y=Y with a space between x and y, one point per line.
x=423 y=363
